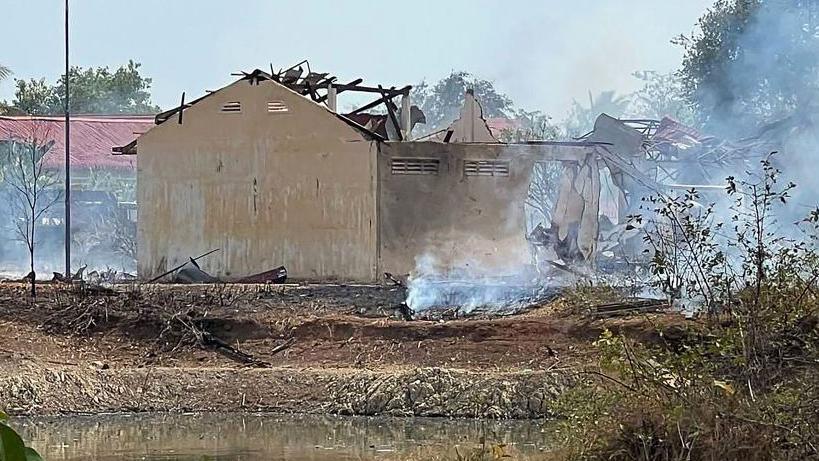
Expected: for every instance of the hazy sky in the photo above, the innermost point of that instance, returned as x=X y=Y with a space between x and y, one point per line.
x=542 y=53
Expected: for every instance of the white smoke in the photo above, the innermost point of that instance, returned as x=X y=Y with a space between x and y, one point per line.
x=471 y=286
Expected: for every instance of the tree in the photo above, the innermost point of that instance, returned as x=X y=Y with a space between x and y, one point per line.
x=93 y=91
x=581 y=118
x=530 y=126
x=35 y=97
x=660 y=96
x=543 y=192
x=752 y=62
x=4 y=72
x=30 y=186
x=442 y=101
x=99 y=91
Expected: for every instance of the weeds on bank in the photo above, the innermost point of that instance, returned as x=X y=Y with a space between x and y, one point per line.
x=744 y=383
x=584 y=297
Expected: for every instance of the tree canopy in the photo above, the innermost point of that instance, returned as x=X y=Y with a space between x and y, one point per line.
x=442 y=101
x=93 y=91
x=752 y=62
x=660 y=96
x=581 y=118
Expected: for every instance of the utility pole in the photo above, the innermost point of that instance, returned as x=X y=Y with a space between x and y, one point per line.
x=67 y=160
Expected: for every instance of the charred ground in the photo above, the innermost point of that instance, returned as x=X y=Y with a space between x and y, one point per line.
x=256 y=335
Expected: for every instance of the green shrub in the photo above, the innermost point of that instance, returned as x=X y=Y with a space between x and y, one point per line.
x=12 y=447
x=743 y=383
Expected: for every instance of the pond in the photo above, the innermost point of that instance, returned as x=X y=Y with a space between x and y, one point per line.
x=252 y=437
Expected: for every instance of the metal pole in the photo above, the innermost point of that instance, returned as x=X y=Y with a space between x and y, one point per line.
x=67 y=160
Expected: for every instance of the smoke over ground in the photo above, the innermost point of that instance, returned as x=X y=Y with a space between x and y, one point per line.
x=765 y=86
x=472 y=286
x=103 y=233
x=762 y=95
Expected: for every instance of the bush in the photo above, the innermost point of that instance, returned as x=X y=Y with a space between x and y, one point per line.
x=741 y=384
x=12 y=447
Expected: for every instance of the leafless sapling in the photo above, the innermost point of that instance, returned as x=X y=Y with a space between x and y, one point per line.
x=30 y=184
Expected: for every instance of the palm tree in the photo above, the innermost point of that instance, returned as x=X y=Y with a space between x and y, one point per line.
x=608 y=102
x=581 y=118
x=4 y=72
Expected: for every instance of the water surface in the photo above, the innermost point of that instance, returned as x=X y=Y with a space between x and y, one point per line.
x=244 y=437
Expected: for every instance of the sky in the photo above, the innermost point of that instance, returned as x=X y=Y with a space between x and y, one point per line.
x=541 y=53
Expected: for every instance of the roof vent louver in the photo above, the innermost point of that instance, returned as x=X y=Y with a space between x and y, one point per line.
x=232 y=106
x=486 y=168
x=277 y=107
x=407 y=165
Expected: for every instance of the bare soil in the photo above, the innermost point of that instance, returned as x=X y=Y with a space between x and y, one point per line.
x=140 y=348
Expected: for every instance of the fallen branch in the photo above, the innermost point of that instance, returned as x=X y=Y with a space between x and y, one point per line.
x=283 y=346
x=208 y=340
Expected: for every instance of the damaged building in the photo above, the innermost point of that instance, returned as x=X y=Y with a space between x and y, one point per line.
x=270 y=173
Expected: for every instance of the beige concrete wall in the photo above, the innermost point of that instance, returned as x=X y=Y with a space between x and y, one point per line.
x=295 y=188
x=459 y=220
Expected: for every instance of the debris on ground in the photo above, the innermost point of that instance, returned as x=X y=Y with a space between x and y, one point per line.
x=192 y=273
x=305 y=343
x=405 y=311
x=110 y=276
x=628 y=307
x=394 y=280
x=76 y=277
x=171 y=271
x=276 y=276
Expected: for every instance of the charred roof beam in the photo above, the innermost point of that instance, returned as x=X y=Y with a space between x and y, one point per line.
x=351 y=84
x=390 y=110
x=386 y=95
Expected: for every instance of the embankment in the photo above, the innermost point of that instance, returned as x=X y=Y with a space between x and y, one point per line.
x=35 y=389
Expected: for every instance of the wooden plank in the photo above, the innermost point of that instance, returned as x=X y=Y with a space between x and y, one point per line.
x=368 y=89
x=181 y=107
x=368 y=106
x=353 y=83
x=391 y=112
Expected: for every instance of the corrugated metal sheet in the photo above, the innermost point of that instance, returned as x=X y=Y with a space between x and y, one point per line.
x=92 y=138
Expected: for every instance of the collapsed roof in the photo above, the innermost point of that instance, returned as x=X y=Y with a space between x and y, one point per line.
x=672 y=153
x=320 y=88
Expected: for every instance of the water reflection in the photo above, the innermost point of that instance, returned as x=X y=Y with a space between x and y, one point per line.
x=242 y=437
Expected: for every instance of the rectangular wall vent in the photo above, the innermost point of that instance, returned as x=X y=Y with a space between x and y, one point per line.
x=486 y=168
x=232 y=106
x=409 y=165
x=277 y=107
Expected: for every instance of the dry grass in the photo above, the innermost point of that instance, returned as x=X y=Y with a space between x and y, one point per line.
x=584 y=297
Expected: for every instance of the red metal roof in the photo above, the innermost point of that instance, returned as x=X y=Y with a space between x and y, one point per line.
x=376 y=123
x=92 y=137
x=498 y=124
